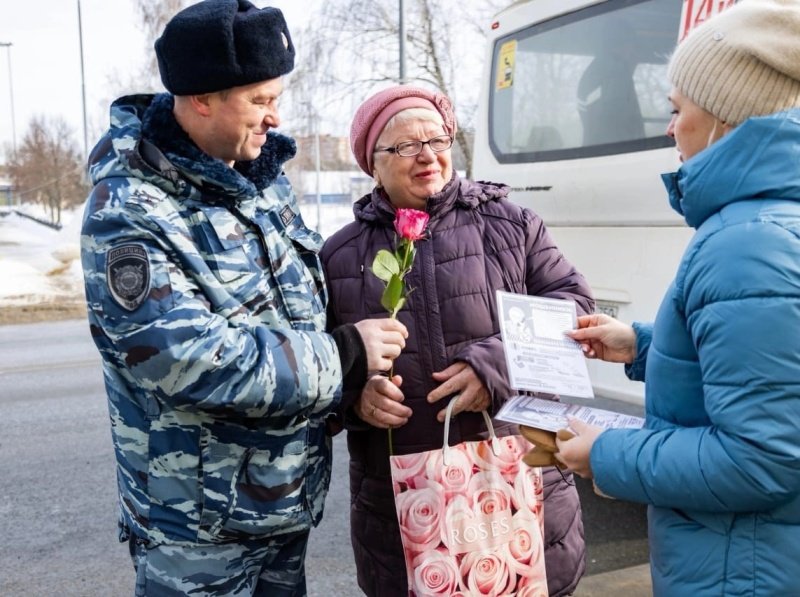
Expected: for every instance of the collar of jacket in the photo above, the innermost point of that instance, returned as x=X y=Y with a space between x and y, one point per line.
x=376 y=206
x=756 y=160
x=161 y=129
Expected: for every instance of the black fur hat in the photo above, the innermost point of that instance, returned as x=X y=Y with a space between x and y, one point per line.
x=219 y=44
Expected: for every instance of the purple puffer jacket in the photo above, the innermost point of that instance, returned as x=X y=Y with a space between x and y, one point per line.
x=478 y=242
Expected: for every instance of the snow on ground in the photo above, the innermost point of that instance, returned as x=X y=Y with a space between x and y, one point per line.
x=39 y=264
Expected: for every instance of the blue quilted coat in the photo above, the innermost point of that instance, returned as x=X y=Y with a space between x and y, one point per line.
x=719 y=460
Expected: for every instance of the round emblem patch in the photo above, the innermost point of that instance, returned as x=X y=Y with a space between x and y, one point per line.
x=128 y=275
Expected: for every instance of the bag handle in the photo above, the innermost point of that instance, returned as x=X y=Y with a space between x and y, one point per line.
x=446 y=447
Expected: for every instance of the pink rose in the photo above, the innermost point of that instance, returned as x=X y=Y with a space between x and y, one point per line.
x=410 y=223
x=457 y=514
x=536 y=590
x=525 y=551
x=406 y=467
x=435 y=573
x=486 y=574
x=454 y=476
x=511 y=450
x=532 y=586
x=489 y=492
x=420 y=512
x=528 y=489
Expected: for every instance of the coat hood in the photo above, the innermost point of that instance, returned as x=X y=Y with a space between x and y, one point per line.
x=146 y=141
x=751 y=162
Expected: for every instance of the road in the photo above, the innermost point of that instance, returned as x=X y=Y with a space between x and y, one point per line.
x=58 y=495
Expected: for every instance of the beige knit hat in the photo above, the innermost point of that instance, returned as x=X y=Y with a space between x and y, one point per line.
x=743 y=62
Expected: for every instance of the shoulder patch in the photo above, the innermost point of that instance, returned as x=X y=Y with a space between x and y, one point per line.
x=128 y=275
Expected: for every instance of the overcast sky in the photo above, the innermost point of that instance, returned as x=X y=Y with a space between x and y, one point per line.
x=45 y=58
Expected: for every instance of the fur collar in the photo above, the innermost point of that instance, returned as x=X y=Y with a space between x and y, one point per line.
x=160 y=127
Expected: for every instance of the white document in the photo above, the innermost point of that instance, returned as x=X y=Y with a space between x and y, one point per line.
x=552 y=416
x=539 y=357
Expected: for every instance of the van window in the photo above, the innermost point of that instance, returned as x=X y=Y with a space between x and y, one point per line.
x=585 y=84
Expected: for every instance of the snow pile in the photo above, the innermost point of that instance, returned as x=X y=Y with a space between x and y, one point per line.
x=37 y=263
x=40 y=265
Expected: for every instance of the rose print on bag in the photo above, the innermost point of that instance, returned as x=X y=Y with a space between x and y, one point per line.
x=420 y=511
x=487 y=573
x=530 y=587
x=526 y=548
x=455 y=476
x=490 y=491
x=508 y=462
x=528 y=490
x=435 y=573
x=407 y=467
x=471 y=523
x=467 y=529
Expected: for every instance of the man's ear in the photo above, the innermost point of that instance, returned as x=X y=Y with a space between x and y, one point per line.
x=201 y=103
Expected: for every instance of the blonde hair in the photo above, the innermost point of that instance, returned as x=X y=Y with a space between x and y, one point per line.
x=410 y=114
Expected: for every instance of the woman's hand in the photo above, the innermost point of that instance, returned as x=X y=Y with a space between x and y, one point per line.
x=574 y=452
x=380 y=403
x=605 y=338
x=460 y=378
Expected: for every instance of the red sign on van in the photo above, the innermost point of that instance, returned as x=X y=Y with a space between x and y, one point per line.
x=696 y=12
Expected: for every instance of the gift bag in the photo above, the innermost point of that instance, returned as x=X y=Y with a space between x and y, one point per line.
x=471 y=518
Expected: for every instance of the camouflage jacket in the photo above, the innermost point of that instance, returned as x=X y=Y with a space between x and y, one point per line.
x=207 y=303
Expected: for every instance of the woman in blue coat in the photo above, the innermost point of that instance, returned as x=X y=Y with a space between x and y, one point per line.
x=719 y=458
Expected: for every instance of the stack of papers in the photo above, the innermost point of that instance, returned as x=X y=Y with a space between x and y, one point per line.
x=552 y=416
x=540 y=358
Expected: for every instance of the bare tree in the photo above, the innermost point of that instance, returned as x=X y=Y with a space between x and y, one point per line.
x=153 y=16
x=48 y=166
x=351 y=49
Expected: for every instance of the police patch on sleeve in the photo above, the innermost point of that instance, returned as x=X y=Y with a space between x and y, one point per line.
x=128 y=275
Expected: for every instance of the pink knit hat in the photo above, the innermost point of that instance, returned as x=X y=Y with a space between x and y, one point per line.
x=376 y=111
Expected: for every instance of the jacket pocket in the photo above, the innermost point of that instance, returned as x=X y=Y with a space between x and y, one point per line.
x=254 y=490
x=225 y=245
x=297 y=270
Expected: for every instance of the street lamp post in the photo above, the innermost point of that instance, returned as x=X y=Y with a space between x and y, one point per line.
x=402 y=39
x=83 y=85
x=7 y=46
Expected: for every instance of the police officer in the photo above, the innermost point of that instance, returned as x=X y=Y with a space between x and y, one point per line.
x=207 y=303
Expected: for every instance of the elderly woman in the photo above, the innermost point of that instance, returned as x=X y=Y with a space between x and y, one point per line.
x=719 y=459
x=477 y=242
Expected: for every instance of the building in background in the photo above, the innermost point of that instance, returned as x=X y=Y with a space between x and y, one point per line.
x=334 y=152
x=6 y=193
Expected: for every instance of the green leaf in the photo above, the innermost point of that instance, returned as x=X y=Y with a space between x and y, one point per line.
x=392 y=294
x=385 y=265
x=396 y=310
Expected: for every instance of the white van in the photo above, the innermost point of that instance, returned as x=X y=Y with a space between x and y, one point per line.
x=572 y=116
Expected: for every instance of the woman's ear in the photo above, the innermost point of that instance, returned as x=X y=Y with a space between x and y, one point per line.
x=718 y=131
x=726 y=128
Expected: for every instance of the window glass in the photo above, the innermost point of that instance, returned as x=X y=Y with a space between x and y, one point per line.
x=588 y=83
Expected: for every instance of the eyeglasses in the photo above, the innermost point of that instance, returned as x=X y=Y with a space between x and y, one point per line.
x=407 y=149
